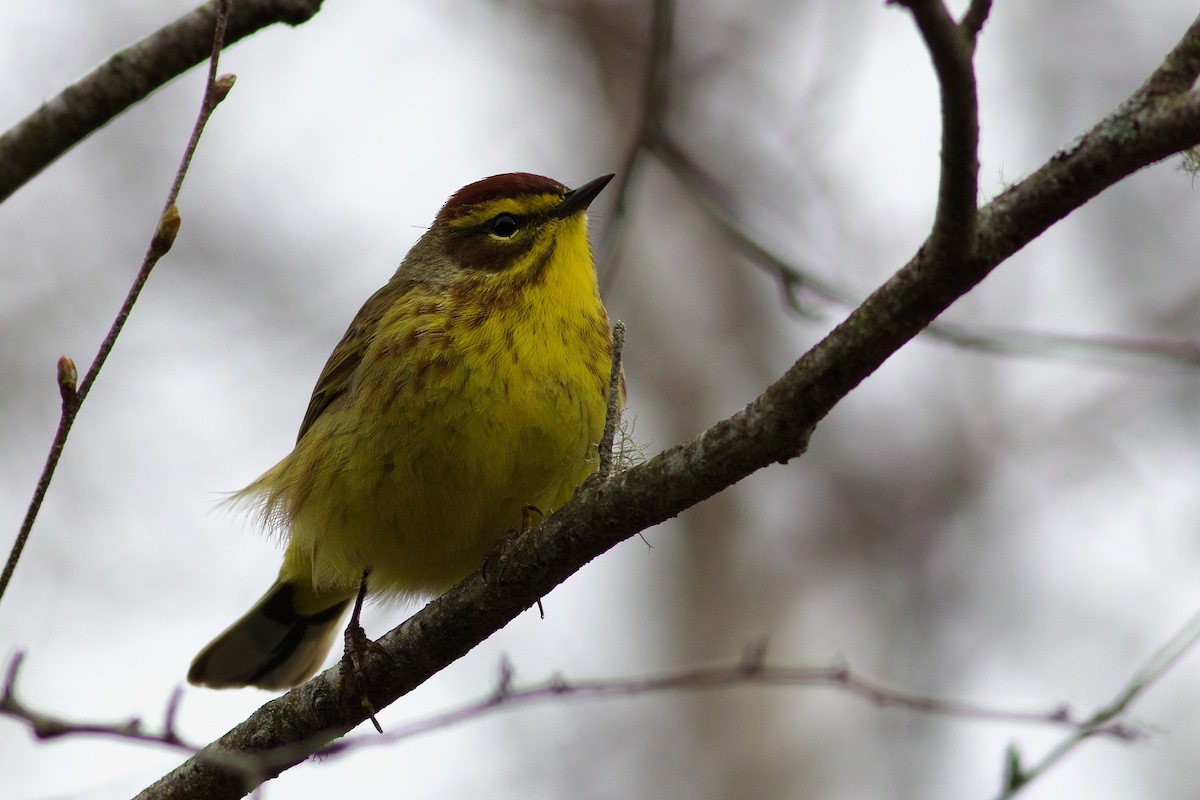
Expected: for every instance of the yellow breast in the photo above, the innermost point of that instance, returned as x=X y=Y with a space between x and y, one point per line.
x=465 y=410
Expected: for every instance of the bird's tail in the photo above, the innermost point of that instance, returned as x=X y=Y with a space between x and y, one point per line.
x=279 y=643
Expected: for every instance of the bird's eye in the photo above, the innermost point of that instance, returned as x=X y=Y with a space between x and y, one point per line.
x=503 y=225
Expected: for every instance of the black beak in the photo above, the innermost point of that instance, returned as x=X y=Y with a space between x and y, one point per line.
x=579 y=199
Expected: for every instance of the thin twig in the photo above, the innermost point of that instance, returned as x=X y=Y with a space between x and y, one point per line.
x=127 y=77
x=650 y=125
x=1107 y=349
x=749 y=672
x=703 y=188
x=613 y=413
x=1017 y=777
x=165 y=231
x=46 y=726
x=794 y=280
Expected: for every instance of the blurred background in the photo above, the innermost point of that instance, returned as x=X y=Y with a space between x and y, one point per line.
x=1017 y=531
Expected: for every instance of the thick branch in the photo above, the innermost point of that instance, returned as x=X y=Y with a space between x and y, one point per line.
x=773 y=428
x=126 y=78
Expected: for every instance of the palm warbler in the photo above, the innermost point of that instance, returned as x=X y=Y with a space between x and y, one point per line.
x=469 y=387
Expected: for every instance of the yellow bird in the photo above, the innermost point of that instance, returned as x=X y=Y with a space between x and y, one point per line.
x=472 y=385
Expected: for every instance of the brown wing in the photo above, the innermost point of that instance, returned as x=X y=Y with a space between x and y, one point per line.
x=343 y=362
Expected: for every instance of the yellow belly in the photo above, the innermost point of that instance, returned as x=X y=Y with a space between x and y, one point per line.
x=453 y=430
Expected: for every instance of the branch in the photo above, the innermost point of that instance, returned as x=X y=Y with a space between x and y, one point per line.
x=45 y=726
x=650 y=126
x=127 y=77
x=1017 y=777
x=795 y=279
x=1100 y=348
x=749 y=671
x=952 y=47
x=705 y=190
x=74 y=394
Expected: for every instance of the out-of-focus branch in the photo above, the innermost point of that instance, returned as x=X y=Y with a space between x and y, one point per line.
x=127 y=77
x=46 y=726
x=952 y=47
x=704 y=190
x=1017 y=777
x=1099 y=349
x=800 y=284
x=750 y=670
x=73 y=394
x=650 y=124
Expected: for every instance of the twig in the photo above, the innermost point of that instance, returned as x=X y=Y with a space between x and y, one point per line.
x=795 y=279
x=45 y=726
x=164 y=236
x=1100 y=348
x=613 y=413
x=703 y=188
x=749 y=672
x=951 y=48
x=1017 y=777
x=650 y=125
x=127 y=77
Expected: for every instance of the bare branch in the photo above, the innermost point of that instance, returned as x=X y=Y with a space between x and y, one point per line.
x=650 y=126
x=952 y=49
x=751 y=672
x=1017 y=777
x=127 y=77
x=1099 y=349
x=702 y=188
x=45 y=726
x=795 y=279
x=165 y=230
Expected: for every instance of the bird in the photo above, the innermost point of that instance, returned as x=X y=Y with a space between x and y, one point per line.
x=470 y=388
